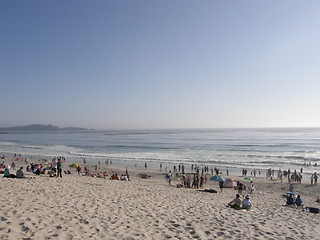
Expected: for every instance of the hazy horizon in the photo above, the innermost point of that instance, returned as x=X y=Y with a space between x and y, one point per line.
x=160 y=64
x=164 y=129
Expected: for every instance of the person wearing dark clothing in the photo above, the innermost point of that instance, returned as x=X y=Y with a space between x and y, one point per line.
x=59 y=168
x=221 y=185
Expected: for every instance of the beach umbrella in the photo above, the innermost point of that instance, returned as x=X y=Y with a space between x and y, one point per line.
x=74 y=165
x=291 y=193
x=247 y=178
x=217 y=178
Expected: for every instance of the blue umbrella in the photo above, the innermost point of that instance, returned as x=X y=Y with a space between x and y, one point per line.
x=290 y=193
x=217 y=178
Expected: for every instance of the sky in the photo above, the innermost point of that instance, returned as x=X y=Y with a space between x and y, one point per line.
x=144 y=64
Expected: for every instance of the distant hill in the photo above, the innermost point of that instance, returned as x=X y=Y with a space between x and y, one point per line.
x=39 y=127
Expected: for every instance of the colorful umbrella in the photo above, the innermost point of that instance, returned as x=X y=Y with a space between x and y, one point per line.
x=217 y=178
x=74 y=165
x=247 y=178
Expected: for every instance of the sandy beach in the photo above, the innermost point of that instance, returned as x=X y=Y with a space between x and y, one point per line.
x=80 y=207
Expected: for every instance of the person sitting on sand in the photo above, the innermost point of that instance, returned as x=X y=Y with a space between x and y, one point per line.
x=6 y=173
x=114 y=177
x=290 y=200
x=298 y=201
x=236 y=203
x=19 y=173
x=251 y=187
x=246 y=203
x=291 y=187
x=124 y=177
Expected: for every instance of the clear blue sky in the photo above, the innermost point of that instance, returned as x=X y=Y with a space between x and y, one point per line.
x=160 y=64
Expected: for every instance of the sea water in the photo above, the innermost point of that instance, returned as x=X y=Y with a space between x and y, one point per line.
x=253 y=149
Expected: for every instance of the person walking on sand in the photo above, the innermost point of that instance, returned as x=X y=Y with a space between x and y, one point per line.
x=59 y=168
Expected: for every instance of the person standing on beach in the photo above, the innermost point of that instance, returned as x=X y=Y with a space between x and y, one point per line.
x=240 y=188
x=169 y=177
x=201 y=181
x=78 y=169
x=221 y=185
x=54 y=166
x=127 y=173
x=59 y=168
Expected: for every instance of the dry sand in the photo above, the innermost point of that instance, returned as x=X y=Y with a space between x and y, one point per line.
x=79 y=207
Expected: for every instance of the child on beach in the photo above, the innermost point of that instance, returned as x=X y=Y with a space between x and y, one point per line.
x=298 y=201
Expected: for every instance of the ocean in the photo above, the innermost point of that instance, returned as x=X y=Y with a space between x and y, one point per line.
x=253 y=149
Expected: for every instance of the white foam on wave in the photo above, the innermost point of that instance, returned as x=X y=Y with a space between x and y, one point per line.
x=37 y=150
x=7 y=144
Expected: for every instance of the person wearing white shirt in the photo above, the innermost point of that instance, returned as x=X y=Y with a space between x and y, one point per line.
x=246 y=203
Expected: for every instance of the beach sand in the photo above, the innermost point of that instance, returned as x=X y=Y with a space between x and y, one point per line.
x=79 y=207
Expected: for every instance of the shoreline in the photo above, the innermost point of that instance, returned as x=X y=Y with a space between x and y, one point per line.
x=155 y=166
